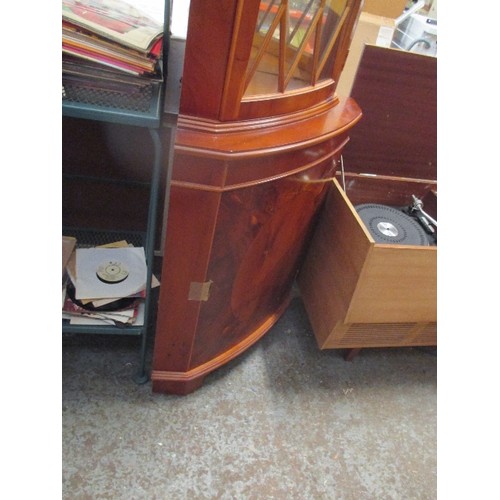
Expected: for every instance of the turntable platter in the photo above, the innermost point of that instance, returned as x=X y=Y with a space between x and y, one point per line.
x=390 y=225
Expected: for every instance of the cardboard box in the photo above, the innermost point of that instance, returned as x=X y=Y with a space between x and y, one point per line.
x=68 y=245
x=370 y=30
x=385 y=8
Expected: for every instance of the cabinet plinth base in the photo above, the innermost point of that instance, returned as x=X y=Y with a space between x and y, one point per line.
x=183 y=383
x=165 y=382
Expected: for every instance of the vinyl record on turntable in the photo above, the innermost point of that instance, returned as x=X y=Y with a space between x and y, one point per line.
x=390 y=225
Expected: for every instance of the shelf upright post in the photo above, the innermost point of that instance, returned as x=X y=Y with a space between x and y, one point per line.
x=142 y=376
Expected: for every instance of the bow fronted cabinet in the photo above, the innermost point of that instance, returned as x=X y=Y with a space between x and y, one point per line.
x=259 y=136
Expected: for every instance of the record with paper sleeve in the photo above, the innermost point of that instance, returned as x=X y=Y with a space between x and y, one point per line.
x=117 y=305
x=390 y=225
x=103 y=273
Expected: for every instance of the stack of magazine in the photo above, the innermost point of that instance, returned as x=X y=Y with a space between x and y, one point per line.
x=111 y=53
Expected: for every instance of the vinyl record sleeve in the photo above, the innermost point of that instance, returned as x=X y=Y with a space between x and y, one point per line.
x=89 y=260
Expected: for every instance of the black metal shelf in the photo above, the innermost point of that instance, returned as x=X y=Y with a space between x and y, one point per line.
x=91 y=237
x=144 y=110
x=139 y=104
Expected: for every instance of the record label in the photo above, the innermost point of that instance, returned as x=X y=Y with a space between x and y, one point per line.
x=106 y=273
x=112 y=272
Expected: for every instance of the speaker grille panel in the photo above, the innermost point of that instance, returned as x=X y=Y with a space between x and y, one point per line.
x=386 y=335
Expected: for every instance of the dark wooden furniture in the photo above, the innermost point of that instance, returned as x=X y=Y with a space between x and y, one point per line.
x=260 y=133
x=359 y=293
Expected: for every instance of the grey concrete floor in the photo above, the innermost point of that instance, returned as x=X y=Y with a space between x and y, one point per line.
x=283 y=421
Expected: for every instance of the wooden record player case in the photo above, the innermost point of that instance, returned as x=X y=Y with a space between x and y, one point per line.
x=359 y=293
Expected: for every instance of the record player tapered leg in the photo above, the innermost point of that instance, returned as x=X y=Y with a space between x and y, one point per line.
x=350 y=354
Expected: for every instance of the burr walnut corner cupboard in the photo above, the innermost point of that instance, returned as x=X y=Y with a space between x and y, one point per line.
x=260 y=131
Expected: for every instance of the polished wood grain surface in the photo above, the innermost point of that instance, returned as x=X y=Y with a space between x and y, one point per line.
x=249 y=177
x=238 y=228
x=208 y=43
x=397 y=137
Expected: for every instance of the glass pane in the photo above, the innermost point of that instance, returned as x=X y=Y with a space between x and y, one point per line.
x=265 y=79
x=334 y=10
x=296 y=60
x=300 y=15
x=300 y=42
x=265 y=20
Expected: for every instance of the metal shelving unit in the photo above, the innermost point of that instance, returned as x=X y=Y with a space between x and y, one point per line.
x=144 y=110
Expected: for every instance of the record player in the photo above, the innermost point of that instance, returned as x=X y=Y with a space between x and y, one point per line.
x=369 y=277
